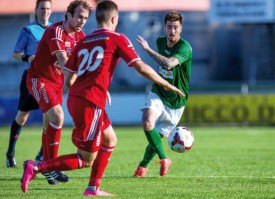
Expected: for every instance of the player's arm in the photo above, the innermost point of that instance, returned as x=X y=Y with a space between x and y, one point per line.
x=165 y=62
x=22 y=57
x=150 y=74
x=70 y=78
x=62 y=59
x=21 y=44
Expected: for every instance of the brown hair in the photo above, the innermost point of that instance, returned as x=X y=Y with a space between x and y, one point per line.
x=173 y=16
x=103 y=10
x=74 y=4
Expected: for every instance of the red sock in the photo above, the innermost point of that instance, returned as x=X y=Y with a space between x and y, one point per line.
x=62 y=163
x=53 y=133
x=44 y=145
x=100 y=165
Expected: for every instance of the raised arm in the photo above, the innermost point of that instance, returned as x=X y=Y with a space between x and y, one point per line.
x=165 y=62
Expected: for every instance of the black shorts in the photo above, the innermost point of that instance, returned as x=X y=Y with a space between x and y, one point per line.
x=26 y=101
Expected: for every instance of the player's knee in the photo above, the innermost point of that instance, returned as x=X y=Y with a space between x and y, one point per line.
x=147 y=125
x=58 y=120
x=111 y=142
x=88 y=163
x=114 y=142
x=21 y=120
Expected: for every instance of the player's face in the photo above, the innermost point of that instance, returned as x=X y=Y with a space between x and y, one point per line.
x=173 y=30
x=44 y=11
x=78 y=19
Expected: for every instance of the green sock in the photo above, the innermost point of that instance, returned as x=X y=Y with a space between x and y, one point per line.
x=154 y=140
x=148 y=156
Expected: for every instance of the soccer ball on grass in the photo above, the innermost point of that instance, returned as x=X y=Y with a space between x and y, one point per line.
x=180 y=139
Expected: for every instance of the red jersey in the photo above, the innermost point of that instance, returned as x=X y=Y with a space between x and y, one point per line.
x=45 y=65
x=94 y=60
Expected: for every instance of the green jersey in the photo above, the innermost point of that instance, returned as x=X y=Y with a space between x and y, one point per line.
x=179 y=76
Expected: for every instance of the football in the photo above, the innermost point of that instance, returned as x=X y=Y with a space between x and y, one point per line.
x=180 y=139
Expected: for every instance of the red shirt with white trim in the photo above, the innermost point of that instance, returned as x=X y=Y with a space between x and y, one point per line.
x=94 y=60
x=45 y=64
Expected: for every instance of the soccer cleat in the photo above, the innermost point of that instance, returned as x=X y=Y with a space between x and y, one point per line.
x=97 y=192
x=50 y=179
x=10 y=160
x=28 y=175
x=164 y=165
x=140 y=172
x=60 y=176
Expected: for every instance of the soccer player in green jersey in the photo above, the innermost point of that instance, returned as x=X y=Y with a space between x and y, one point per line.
x=163 y=109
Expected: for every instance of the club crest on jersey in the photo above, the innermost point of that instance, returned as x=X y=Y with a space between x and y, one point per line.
x=69 y=50
x=67 y=44
x=166 y=73
x=167 y=52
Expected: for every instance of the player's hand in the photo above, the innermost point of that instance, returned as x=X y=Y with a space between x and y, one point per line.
x=109 y=98
x=143 y=43
x=31 y=58
x=173 y=88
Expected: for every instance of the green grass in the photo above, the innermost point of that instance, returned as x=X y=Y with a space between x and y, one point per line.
x=225 y=162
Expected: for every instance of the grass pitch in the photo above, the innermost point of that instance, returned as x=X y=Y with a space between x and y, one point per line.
x=225 y=162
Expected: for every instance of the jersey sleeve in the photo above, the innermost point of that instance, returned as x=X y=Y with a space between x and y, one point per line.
x=126 y=50
x=182 y=52
x=21 y=41
x=56 y=42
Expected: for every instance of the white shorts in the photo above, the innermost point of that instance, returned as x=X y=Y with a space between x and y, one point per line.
x=168 y=118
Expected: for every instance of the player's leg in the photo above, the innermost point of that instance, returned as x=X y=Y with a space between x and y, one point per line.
x=64 y=162
x=23 y=108
x=89 y=123
x=50 y=179
x=53 y=130
x=48 y=97
x=152 y=112
x=108 y=145
x=154 y=147
x=167 y=121
x=46 y=122
x=143 y=165
x=53 y=133
x=15 y=130
x=149 y=118
x=43 y=150
x=50 y=101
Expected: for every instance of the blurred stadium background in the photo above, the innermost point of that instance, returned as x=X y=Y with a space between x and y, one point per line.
x=233 y=70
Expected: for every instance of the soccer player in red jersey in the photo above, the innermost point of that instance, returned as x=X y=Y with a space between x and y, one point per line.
x=90 y=71
x=45 y=76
